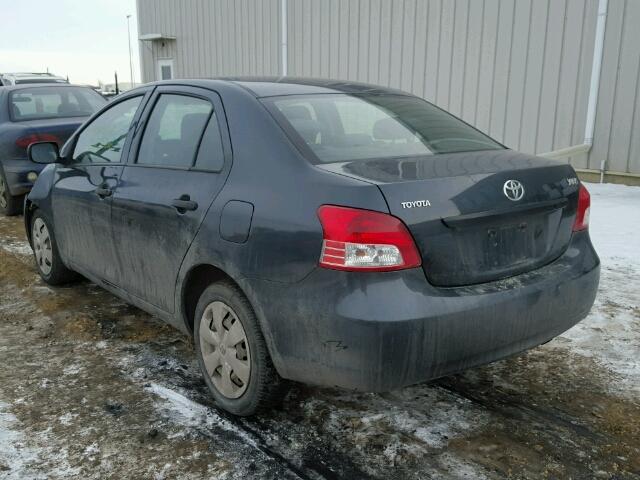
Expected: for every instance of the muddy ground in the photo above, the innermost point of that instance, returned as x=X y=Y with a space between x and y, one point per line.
x=92 y=388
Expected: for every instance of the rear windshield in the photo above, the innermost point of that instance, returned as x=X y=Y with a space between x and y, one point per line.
x=54 y=102
x=38 y=80
x=346 y=127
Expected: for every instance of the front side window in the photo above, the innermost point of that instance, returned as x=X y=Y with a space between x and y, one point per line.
x=103 y=139
x=346 y=127
x=54 y=102
x=174 y=131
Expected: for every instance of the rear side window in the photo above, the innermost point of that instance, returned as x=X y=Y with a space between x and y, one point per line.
x=103 y=139
x=174 y=130
x=54 y=102
x=211 y=155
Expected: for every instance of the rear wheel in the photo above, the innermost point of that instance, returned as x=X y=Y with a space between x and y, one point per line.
x=45 y=250
x=232 y=353
x=9 y=204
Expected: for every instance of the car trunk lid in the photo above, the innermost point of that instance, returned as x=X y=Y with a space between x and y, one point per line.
x=467 y=229
x=51 y=130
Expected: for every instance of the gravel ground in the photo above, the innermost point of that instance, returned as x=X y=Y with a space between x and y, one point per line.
x=92 y=388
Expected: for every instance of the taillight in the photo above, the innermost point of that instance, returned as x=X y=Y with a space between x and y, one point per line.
x=357 y=240
x=24 y=142
x=582 y=215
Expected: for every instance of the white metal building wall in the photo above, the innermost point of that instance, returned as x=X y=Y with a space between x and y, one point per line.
x=517 y=69
x=213 y=37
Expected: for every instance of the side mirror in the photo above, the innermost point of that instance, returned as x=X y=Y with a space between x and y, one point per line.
x=43 y=152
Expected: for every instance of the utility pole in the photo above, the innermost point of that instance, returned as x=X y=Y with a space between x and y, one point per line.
x=130 y=58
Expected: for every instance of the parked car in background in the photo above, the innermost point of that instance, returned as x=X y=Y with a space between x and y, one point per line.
x=331 y=233
x=32 y=113
x=30 y=78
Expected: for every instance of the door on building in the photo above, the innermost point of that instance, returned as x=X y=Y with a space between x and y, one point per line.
x=165 y=69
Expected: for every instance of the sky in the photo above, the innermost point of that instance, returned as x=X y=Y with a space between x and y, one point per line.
x=86 y=40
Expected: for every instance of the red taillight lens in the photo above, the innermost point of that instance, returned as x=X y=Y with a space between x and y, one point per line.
x=584 y=205
x=24 y=142
x=357 y=240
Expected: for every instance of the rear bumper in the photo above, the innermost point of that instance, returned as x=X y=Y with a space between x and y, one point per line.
x=377 y=332
x=16 y=172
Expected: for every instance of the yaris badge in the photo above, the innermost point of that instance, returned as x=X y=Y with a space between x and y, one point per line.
x=513 y=190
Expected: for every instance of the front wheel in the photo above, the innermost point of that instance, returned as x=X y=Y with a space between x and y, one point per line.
x=232 y=353
x=45 y=250
x=9 y=204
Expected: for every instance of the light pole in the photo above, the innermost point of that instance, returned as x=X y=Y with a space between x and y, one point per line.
x=130 y=59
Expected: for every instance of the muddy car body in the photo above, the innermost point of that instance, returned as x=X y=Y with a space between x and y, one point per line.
x=361 y=237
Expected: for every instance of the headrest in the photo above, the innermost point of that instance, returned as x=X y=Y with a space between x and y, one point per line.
x=391 y=129
x=296 y=112
x=67 y=109
x=307 y=129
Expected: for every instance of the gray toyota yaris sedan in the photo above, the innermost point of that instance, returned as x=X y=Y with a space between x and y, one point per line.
x=326 y=232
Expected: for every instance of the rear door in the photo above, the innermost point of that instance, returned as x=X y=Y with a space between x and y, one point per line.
x=177 y=166
x=82 y=194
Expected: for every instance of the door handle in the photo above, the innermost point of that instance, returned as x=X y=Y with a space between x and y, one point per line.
x=183 y=204
x=103 y=192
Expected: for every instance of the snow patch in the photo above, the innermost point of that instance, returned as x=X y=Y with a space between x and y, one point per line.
x=17 y=248
x=15 y=456
x=188 y=413
x=72 y=369
x=611 y=332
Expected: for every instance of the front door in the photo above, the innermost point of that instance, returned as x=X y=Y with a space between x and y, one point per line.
x=82 y=194
x=176 y=168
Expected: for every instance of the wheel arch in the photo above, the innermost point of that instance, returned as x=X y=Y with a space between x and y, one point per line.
x=29 y=209
x=196 y=280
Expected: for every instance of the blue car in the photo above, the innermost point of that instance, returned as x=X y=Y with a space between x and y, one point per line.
x=324 y=232
x=32 y=113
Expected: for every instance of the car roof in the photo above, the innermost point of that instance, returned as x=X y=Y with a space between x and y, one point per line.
x=271 y=86
x=25 y=86
x=31 y=75
x=277 y=86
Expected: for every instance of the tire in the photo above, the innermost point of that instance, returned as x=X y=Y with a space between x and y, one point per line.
x=47 y=256
x=220 y=306
x=10 y=205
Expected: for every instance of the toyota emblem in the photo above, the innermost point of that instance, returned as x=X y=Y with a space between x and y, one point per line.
x=513 y=190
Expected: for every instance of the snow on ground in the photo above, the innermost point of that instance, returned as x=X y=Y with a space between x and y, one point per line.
x=19 y=458
x=189 y=413
x=611 y=332
x=15 y=456
x=615 y=218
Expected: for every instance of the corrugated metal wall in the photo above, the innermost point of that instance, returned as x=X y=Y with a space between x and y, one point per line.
x=517 y=69
x=213 y=37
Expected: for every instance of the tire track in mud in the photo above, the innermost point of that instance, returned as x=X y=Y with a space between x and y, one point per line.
x=512 y=409
x=314 y=463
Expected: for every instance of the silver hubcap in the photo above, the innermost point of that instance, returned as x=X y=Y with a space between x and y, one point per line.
x=225 y=349
x=42 y=246
x=3 y=193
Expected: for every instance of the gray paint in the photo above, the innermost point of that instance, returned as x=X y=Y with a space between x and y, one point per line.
x=517 y=69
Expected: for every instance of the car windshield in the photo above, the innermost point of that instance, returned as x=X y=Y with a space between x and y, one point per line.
x=54 y=102
x=346 y=127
